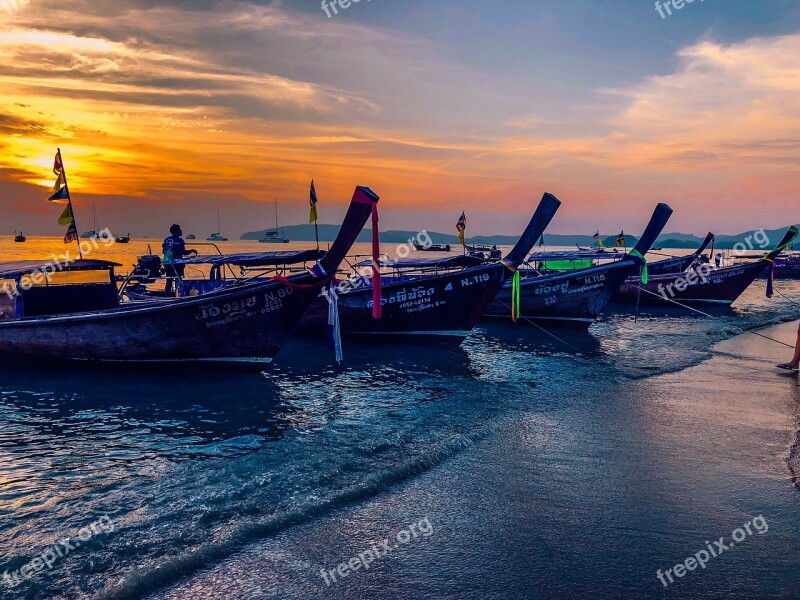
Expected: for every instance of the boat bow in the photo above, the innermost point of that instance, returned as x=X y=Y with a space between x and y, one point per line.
x=545 y=212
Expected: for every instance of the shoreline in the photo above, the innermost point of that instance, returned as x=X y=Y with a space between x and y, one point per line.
x=666 y=460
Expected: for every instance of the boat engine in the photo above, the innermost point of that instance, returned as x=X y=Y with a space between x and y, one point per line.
x=147 y=269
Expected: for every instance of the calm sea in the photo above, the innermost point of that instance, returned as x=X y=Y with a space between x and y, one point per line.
x=550 y=464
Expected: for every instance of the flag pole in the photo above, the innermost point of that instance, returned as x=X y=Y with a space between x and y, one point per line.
x=69 y=203
x=312 y=199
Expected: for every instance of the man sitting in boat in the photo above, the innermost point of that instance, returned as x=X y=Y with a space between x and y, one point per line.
x=174 y=248
x=794 y=365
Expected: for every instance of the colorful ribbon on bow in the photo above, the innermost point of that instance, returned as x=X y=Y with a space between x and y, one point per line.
x=334 y=328
x=638 y=255
x=377 y=308
x=770 y=277
x=516 y=295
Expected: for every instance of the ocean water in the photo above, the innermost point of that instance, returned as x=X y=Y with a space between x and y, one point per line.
x=549 y=463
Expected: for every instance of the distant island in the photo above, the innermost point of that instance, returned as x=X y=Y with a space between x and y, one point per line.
x=327 y=233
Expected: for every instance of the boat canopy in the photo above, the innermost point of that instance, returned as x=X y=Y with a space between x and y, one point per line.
x=577 y=255
x=254 y=259
x=450 y=262
x=13 y=270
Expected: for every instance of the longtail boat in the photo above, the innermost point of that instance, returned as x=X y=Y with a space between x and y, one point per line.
x=787 y=267
x=679 y=264
x=575 y=297
x=440 y=300
x=702 y=284
x=74 y=312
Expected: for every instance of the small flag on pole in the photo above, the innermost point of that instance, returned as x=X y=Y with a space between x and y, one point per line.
x=621 y=239
x=72 y=233
x=66 y=217
x=58 y=170
x=312 y=217
x=596 y=236
x=461 y=227
x=62 y=194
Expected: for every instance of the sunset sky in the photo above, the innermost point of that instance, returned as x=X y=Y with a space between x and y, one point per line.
x=168 y=110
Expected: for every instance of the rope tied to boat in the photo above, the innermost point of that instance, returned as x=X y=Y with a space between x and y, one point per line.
x=334 y=328
x=516 y=295
x=636 y=254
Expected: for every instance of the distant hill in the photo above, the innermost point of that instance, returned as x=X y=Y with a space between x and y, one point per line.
x=327 y=233
x=677 y=243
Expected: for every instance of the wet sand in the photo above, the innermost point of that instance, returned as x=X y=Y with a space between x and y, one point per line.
x=586 y=496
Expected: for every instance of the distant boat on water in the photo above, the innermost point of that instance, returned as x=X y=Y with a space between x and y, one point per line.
x=94 y=233
x=432 y=248
x=19 y=237
x=217 y=235
x=191 y=236
x=480 y=251
x=123 y=239
x=271 y=236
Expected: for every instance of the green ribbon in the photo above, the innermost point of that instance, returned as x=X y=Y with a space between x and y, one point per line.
x=638 y=254
x=515 y=297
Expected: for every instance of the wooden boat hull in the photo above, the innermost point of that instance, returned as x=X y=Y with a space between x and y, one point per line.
x=671 y=265
x=783 y=271
x=786 y=272
x=574 y=298
x=244 y=324
x=443 y=308
x=722 y=286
